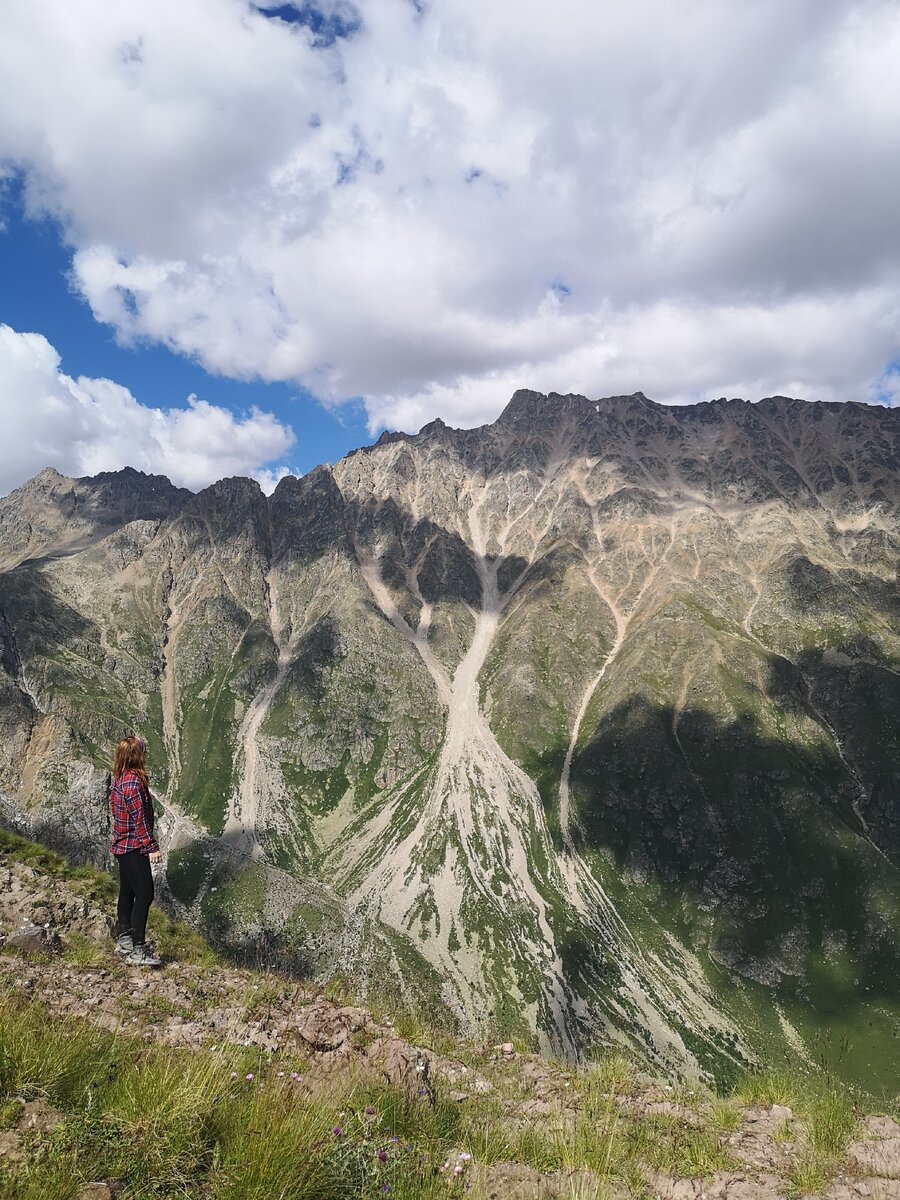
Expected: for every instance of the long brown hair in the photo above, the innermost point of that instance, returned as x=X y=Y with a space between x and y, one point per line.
x=131 y=755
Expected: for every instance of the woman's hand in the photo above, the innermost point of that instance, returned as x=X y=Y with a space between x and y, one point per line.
x=155 y=856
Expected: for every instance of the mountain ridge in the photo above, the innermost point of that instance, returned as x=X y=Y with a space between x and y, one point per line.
x=548 y=713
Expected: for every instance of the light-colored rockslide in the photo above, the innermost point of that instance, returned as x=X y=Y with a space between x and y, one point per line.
x=258 y=795
x=480 y=843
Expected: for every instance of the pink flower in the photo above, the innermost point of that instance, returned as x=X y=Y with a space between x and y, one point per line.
x=249 y=1077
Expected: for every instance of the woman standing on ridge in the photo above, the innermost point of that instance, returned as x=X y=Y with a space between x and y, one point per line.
x=134 y=848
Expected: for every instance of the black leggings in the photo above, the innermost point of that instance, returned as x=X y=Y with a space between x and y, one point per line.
x=135 y=894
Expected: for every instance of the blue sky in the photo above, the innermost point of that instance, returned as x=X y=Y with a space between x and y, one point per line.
x=35 y=296
x=392 y=212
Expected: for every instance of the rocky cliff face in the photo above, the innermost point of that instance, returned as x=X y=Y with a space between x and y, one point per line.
x=585 y=722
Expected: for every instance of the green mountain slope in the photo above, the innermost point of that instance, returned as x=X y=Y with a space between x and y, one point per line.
x=582 y=724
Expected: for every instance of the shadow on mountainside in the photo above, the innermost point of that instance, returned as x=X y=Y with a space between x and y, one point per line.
x=36 y=619
x=313 y=518
x=781 y=856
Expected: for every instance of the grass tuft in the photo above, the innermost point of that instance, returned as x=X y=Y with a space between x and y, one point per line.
x=809 y=1176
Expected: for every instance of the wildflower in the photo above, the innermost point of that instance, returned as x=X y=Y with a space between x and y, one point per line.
x=386 y=1188
x=296 y=1078
x=465 y=1157
x=382 y=1156
x=281 y=1074
x=370 y=1111
x=395 y=1140
x=337 y=1131
x=249 y=1076
x=234 y=1074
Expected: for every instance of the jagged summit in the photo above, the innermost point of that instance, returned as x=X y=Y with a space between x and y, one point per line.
x=528 y=409
x=527 y=412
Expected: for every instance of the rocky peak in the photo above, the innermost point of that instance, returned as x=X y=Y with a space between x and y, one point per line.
x=231 y=510
x=53 y=510
x=117 y=497
x=530 y=411
x=307 y=513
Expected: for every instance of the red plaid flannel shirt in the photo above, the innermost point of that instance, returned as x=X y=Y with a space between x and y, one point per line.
x=132 y=814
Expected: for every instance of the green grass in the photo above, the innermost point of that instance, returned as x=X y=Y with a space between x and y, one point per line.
x=827 y=1111
x=84 y=880
x=830 y=1119
x=827 y=1108
x=809 y=1176
x=207 y=735
x=766 y=1088
x=189 y=1123
x=169 y=1123
x=83 y=951
x=723 y=1114
x=674 y=1147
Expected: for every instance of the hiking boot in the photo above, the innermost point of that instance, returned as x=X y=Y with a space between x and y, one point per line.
x=142 y=956
x=124 y=944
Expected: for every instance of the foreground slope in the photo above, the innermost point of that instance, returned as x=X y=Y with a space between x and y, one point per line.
x=584 y=722
x=122 y=1083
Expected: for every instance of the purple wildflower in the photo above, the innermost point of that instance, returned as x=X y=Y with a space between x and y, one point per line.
x=337 y=1131
x=382 y=1155
x=249 y=1076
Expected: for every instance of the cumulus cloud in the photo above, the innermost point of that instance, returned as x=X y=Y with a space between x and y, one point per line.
x=82 y=426
x=428 y=205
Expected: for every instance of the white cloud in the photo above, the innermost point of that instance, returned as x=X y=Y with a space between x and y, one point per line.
x=82 y=426
x=714 y=183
